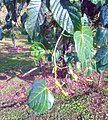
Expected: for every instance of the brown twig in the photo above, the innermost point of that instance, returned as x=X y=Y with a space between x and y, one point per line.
x=30 y=71
x=25 y=74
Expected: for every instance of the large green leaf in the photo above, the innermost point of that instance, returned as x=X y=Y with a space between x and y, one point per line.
x=35 y=17
x=84 y=44
x=40 y=99
x=101 y=36
x=102 y=55
x=37 y=50
x=67 y=15
x=104 y=15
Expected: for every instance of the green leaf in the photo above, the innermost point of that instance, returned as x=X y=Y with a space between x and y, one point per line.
x=98 y=5
x=84 y=44
x=68 y=57
x=102 y=55
x=35 y=17
x=101 y=58
x=75 y=56
x=101 y=68
x=102 y=36
x=40 y=99
x=67 y=15
x=96 y=1
x=37 y=50
x=104 y=15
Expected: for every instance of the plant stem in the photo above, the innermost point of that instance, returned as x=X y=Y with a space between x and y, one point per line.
x=55 y=66
x=25 y=74
x=54 y=54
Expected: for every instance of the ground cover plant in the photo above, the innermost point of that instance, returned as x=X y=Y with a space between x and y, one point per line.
x=69 y=57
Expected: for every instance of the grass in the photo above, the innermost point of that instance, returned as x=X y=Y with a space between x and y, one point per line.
x=63 y=108
x=65 y=111
x=85 y=106
x=15 y=114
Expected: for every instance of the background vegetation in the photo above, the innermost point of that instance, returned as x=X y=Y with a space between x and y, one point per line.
x=68 y=57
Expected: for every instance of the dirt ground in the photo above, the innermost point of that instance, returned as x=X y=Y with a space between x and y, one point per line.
x=14 y=62
x=86 y=101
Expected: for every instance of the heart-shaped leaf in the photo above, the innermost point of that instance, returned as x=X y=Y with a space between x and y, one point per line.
x=35 y=17
x=84 y=44
x=40 y=99
x=37 y=50
x=101 y=36
x=67 y=15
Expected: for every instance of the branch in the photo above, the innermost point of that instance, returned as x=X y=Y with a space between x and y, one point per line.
x=56 y=82
x=55 y=64
x=25 y=74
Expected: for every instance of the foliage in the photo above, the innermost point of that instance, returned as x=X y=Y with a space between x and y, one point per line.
x=80 y=27
x=37 y=50
x=36 y=19
x=84 y=44
x=96 y=1
x=67 y=15
x=102 y=36
x=40 y=98
x=101 y=58
x=104 y=15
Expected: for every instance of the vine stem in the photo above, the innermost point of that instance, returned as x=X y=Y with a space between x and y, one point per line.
x=55 y=66
x=54 y=54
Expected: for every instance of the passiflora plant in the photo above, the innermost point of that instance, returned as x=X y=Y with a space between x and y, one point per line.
x=90 y=41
